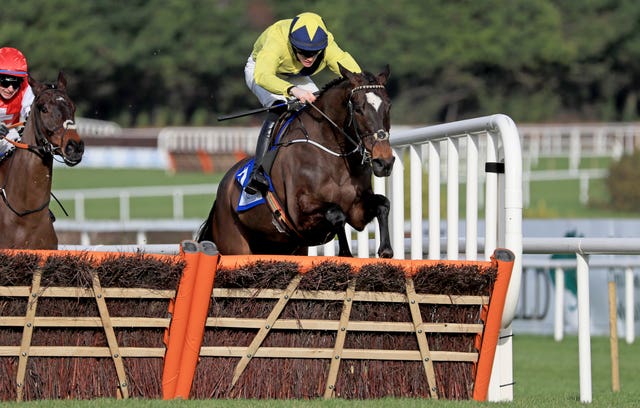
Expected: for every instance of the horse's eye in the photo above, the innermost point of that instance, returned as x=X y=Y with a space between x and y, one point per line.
x=42 y=108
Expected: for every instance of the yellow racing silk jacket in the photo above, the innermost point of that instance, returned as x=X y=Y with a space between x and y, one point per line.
x=275 y=59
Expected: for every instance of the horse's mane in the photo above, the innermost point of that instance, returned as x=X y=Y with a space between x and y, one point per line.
x=331 y=84
x=368 y=76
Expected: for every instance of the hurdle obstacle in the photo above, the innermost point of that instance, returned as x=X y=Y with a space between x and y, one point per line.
x=89 y=325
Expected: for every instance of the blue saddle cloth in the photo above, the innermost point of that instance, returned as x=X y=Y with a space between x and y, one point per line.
x=248 y=201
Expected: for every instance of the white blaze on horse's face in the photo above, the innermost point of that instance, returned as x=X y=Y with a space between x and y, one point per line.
x=374 y=100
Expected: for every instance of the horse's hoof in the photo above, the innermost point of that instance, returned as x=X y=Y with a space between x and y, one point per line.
x=385 y=253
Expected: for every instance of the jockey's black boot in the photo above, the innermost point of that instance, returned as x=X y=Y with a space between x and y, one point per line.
x=257 y=180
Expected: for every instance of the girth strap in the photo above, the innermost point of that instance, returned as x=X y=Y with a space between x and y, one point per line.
x=284 y=224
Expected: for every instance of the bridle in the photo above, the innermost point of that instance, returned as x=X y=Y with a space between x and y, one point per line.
x=42 y=148
x=378 y=135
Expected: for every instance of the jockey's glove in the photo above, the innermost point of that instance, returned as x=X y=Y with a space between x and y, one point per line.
x=294 y=105
x=4 y=130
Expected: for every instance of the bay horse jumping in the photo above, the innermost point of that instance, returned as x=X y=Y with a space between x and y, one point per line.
x=325 y=155
x=25 y=176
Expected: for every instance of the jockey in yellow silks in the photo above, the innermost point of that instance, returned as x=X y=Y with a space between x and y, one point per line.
x=280 y=66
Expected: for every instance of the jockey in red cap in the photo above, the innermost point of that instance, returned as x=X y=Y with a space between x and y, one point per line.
x=16 y=96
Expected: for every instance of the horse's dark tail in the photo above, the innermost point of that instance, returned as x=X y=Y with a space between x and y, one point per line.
x=205 y=233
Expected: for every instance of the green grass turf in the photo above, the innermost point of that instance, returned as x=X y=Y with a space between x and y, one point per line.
x=545 y=373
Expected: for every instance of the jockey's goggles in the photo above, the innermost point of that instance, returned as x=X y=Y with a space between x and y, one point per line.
x=306 y=53
x=6 y=81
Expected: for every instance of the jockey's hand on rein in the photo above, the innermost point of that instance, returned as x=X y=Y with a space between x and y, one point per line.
x=4 y=130
x=294 y=105
x=302 y=94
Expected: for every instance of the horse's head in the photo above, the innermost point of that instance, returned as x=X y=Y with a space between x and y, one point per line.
x=53 y=114
x=369 y=107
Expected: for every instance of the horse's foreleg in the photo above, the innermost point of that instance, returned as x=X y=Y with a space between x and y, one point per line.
x=337 y=218
x=382 y=207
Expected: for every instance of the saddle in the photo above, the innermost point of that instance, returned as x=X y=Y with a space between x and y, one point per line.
x=278 y=130
x=247 y=201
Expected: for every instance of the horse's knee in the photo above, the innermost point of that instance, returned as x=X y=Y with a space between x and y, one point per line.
x=335 y=216
x=384 y=206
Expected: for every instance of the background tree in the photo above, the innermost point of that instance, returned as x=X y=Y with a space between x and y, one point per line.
x=174 y=62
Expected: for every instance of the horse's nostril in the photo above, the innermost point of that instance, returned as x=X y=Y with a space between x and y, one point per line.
x=381 y=167
x=74 y=149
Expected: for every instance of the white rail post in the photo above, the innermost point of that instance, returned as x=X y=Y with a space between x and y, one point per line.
x=380 y=187
x=329 y=249
x=79 y=206
x=501 y=386
x=584 y=189
x=178 y=204
x=124 y=206
x=415 y=155
x=629 y=309
x=453 y=198
x=363 y=243
x=434 y=200
x=141 y=237
x=575 y=149
x=397 y=211
x=471 y=247
x=558 y=331
x=584 y=327
x=491 y=199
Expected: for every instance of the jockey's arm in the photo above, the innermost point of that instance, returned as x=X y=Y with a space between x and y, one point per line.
x=267 y=64
x=334 y=55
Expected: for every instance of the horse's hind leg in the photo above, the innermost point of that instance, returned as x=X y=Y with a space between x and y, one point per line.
x=226 y=232
x=338 y=218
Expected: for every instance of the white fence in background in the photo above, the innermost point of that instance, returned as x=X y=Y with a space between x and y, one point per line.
x=93 y=127
x=141 y=228
x=583 y=175
x=125 y=194
x=575 y=141
x=583 y=248
x=578 y=141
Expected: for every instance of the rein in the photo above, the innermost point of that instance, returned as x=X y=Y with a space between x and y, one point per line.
x=3 y=192
x=359 y=147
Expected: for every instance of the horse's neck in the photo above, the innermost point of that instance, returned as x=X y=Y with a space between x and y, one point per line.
x=334 y=104
x=25 y=174
x=337 y=129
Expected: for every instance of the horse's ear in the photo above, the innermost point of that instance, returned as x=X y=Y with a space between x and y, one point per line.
x=36 y=86
x=62 y=82
x=345 y=72
x=384 y=75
